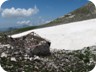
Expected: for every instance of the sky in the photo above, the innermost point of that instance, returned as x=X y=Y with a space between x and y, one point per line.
x=15 y=13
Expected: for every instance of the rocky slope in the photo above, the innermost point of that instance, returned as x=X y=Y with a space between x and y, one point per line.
x=15 y=56
x=59 y=61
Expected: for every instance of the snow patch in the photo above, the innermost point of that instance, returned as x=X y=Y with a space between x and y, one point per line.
x=72 y=36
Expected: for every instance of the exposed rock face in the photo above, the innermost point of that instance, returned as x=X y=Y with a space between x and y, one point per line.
x=31 y=44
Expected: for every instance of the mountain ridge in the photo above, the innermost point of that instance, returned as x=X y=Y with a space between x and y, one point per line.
x=85 y=12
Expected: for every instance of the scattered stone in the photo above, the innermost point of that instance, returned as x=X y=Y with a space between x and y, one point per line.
x=26 y=54
x=3 y=55
x=36 y=58
x=13 y=59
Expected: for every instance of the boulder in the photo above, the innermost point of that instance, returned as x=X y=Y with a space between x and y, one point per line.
x=31 y=44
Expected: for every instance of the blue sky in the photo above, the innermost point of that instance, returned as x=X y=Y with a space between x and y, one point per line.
x=35 y=12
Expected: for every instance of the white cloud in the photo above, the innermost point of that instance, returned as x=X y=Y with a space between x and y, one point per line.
x=12 y=12
x=24 y=22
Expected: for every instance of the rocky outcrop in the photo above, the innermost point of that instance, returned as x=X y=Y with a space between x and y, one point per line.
x=31 y=44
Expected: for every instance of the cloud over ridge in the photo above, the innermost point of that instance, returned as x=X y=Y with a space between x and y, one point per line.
x=19 y=12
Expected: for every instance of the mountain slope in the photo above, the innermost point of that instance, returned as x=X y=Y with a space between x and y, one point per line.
x=87 y=11
x=72 y=36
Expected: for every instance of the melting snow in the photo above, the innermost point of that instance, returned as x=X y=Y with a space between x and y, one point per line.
x=72 y=36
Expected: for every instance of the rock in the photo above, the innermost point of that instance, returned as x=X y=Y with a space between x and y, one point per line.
x=41 y=49
x=31 y=44
x=3 y=55
x=37 y=58
x=13 y=59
